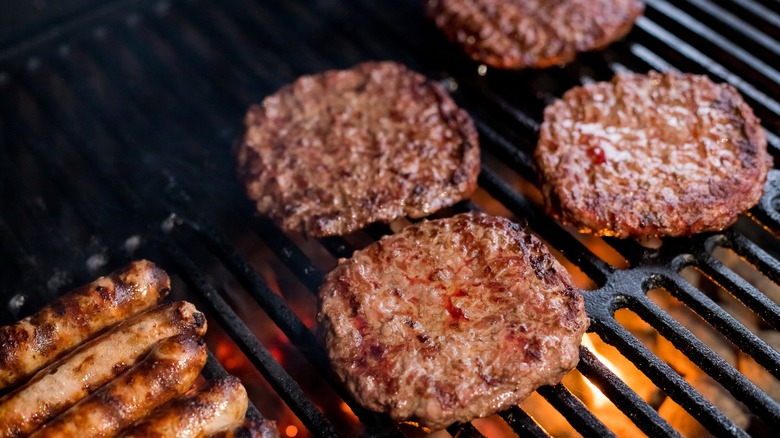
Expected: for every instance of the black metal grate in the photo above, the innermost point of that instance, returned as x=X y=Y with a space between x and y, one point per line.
x=116 y=133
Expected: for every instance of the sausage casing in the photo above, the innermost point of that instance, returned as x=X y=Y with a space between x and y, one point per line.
x=88 y=367
x=169 y=370
x=32 y=343
x=211 y=408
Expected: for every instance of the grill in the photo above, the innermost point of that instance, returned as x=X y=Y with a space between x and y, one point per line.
x=116 y=125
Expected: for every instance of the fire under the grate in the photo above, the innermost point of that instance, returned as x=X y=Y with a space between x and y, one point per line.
x=293 y=289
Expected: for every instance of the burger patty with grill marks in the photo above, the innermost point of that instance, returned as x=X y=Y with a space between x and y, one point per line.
x=450 y=320
x=651 y=155
x=336 y=151
x=533 y=33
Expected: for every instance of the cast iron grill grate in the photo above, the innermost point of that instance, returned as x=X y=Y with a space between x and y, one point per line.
x=116 y=132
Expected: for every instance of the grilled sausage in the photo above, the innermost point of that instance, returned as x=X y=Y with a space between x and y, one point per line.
x=249 y=429
x=169 y=370
x=34 y=342
x=209 y=409
x=65 y=382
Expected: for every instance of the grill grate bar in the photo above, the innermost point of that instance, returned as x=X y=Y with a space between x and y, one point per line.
x=737 y=24
x=711 y=363
x=765 y=263
x=575 y=412
x=261 y=358
x=272 y=304
x=745 y=292
x=483 y=93
x=139 y=48
x=521 y=161
x=716 y=38
x=466 y=430
x=760 y=10
x=718 y=318
x=522 y=423
x=663 y=376
x=290 y=253
x=16 y=258
x=624 y=398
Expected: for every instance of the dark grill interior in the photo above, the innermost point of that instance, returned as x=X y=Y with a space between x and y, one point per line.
x=116 y=133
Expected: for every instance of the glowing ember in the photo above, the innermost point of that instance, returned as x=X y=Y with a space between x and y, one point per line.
x=291 y=430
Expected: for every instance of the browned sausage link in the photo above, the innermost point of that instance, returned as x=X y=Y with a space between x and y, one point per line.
x=65 y=382
x=32 y=343
x=213 y=407
x=249 y=429
x=169 y=370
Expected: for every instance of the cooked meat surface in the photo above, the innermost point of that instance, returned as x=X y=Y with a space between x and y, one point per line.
x=249 y=429
x=533 y=33
x=30 y=344
x=211 y=408
x=63 y=383
x=450 y=320
x=651 y=155
x=169 y=370
x=336 y=151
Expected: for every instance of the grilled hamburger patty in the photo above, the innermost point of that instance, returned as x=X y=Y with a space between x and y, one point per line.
x=450 y=320
x=533 y=33
x=336 y=151
x=651 y=155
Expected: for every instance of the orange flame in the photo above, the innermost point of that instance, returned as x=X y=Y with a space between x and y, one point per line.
x=598 y=399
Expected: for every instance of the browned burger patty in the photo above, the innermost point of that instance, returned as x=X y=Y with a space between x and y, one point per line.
x=533 y=33
x=450 y=320
x=651 y=155
x=336 y=151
